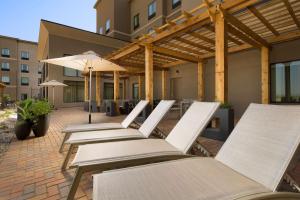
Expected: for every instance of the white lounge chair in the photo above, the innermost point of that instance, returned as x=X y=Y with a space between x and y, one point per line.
x=73 y=128
x=114 y=155
x=81 y=138
x=250 y=165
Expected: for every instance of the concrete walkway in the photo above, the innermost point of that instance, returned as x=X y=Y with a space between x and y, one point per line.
x=30 y=169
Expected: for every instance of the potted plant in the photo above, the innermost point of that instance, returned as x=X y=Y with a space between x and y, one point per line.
x=40 y=110
x=24 y=122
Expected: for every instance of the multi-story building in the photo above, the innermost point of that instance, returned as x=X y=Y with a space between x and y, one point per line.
x=20 y=69
x=129 y=19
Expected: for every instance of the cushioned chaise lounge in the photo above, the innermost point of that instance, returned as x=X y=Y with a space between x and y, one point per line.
x=73 y=128
x=250 y=165
x=120 y=154
x=101 y=136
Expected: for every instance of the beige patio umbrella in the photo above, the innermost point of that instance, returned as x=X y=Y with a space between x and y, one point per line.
x=86 y=62
x=53 y=84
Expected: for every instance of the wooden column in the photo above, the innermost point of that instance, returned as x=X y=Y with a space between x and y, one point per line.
x=221 y=66
x=86 y=88
x=116 y=86
x=149 y=73
x=140 y=86
x=200 y=81
x=265 y=82
x=98 y=88
x=164 y=84
x=124 y=88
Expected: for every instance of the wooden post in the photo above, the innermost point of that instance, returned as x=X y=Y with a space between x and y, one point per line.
x=200 y=80
x=116 y=86
x=164 y=84
x=221 y=66
x=140 y=86
x=124 y=88
x=86 y=88
x=98 y=88
x=265 y=82
x=149 y=73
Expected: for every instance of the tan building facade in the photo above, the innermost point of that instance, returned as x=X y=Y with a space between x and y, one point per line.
x=57 y=40
x=20 y=69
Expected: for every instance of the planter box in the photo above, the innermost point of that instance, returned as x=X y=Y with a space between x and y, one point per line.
x=224 y=118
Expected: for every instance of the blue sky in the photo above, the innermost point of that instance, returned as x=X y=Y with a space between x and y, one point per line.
x=21 y=18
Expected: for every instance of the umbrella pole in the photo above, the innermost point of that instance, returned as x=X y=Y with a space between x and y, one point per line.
x=90 y=96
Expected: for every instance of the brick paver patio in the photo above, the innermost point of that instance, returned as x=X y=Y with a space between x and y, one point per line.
x=30 y=169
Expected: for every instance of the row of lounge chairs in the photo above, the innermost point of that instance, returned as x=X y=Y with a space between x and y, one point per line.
x=250 y=165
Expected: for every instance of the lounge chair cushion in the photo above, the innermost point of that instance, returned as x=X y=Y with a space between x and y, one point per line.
x=191 y=125
x=155 y=117
x=134 y=113
x=105 y=135
x=186 y=179
x=122 y=151
x=91 y=127
x=263 y=143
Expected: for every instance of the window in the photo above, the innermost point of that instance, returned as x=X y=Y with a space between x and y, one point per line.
x=5 y=52
x=285 y=82
x=109 y=91
x=5 y=66
x=24 y=81
x=24 y=55
x=39 y=81
x=24 y=68
x=151 y=10
x=101 y=30
x=71 y=72
x=40 y=70
x=136 y=21
x=176 y=3
x=24 y=96
x=74 y=92
x=135 y=91
x=107 y=26
x=5 y=80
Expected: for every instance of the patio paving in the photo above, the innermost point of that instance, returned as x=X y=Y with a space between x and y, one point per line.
x=30 y=169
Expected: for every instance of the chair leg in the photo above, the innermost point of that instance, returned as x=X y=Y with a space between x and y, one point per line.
x=67 y=158
x=75 y=183
x=67 y=135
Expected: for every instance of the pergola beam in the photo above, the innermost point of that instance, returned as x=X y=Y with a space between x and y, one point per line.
x=242 y=36
x=291 y=11
x=256 y=13
x=188 y=49
x=237 y=23
x=175 y=54
x=193 y=44
x=232 y=39
x=200 y=37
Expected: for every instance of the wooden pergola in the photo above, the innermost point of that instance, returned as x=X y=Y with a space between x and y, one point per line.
x=213 y=29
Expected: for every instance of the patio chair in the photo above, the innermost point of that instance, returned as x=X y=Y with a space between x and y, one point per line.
x=73 y=128
x=250 y=165
x=120 y=154
x=81 y=138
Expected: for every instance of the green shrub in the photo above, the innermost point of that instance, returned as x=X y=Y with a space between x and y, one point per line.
x=30 y=109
